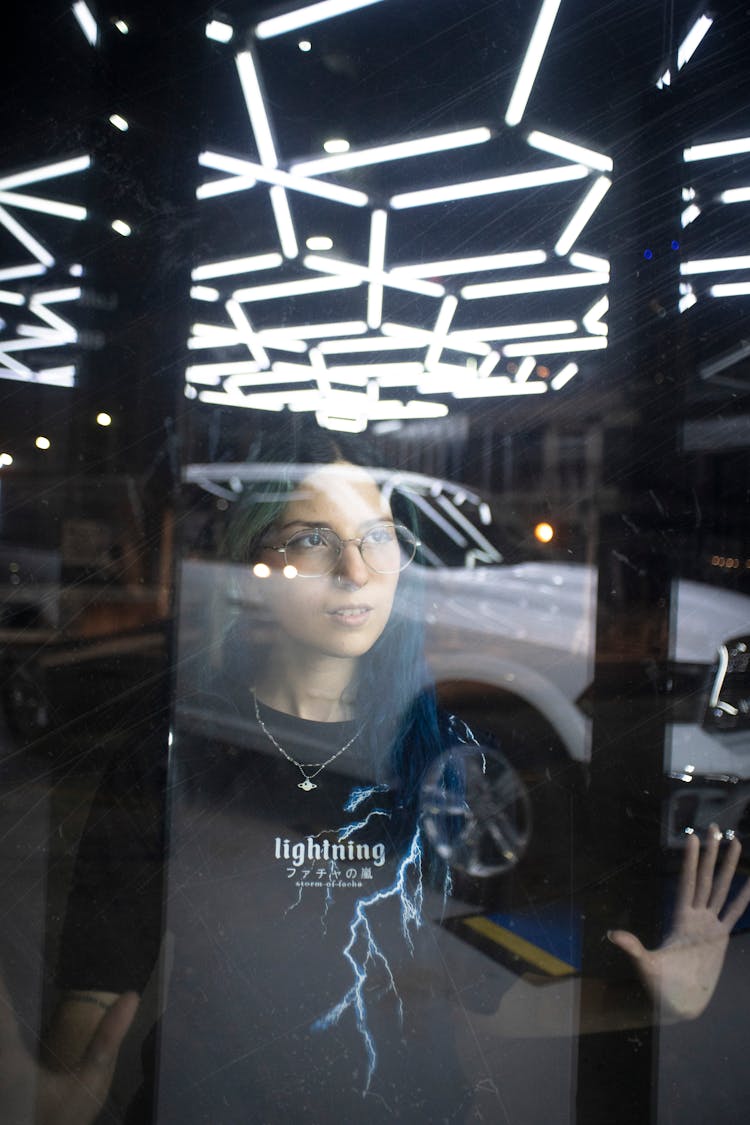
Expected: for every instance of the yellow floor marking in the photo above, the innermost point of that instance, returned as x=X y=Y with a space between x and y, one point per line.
x=547 y=962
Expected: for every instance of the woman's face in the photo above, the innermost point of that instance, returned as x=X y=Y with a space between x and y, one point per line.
x=343 y=613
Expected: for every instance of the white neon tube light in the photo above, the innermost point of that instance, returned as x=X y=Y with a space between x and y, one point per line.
x=387 y=374
x=730 y=289
x=272 y=175
x=488 y=365
x=411 y=337
x=204 y=293
x=235 y=266
x=304 y=17
x=86 y=22
x=525 y=368
x=234 y=382
x=692 y=40
x=471 y=265
x=563 y=376
x=219 y=31
x=45 y=172
x=547 y=284
x=588 y=262
x=376 y=262
x=385 y=410
x=370 y=344
x=532 y=61
x=247 y=333
x=440 y=331
x=25 y=238
x=119 y=122
x=256 y=108
x=8 y=297
x=518 y=181
x=735 y=195
x=199 y=372
x=34 y=269
x=399 y=151
x=582 y=214
x=284 y=222
x=687 y=301
x=45 y=206
x=514 y=331
x=569 y=151
x=713 y=149
x=716 y=265
x=213 y=188
x=219 y=398
x=283 y=289
x=319 y=242
x=689 y=215
x=555 y=347
x=592 y=321
x=119 y=226
x=499 y=386
x=320 y=331
x=364 y=273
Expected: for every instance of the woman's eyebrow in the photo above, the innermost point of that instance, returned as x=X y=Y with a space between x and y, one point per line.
x=321 y=523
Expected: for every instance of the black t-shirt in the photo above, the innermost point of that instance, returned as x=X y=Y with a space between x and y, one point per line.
x=311 y=980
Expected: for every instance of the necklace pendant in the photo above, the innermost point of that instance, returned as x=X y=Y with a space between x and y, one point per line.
x=307 y=785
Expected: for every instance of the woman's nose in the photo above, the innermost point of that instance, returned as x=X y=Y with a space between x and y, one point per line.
x=351 y=566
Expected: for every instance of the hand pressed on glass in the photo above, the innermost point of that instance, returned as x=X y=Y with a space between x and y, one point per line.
x=32 y=1093
x=682 y=973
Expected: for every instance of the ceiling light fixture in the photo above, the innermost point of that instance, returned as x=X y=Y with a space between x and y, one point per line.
x=730 y=289
x=713 y=149
x=532 y=61
x=86 y=22
x=364 y=273
x=518 y=181
x=45 y=172
x=735 y=195
x=499 y=386
x=376 y=263
x=25 y=238
x=283 y=289
x=310 y=14
x=400 y=150
x=563 y=376
x=219 y=31
x=582 y=214
x=514 y=331
x=715 y=265
x=555 y=146
x=588 y=262
x=45 y=206
x=548 y=284
x=440 y=331
x=284 y=222
x=236 y=265
x=272 y=175
x=471 y=265
x=555 y=347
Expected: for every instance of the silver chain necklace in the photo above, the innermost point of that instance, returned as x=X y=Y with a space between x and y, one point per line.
x=308 y=784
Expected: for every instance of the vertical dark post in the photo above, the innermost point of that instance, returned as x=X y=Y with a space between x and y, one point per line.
x=638 y=508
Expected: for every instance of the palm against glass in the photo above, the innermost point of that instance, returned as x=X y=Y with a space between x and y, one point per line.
x=683 y=972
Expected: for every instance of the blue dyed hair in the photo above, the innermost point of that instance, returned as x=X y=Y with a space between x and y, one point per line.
x=393 y=689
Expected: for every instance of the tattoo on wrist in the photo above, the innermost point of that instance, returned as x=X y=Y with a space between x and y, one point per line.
x=87 y=998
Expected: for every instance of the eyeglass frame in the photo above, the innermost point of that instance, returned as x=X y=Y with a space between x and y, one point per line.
x=359 y=540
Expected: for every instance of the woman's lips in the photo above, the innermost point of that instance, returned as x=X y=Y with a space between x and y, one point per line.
x=351 y=615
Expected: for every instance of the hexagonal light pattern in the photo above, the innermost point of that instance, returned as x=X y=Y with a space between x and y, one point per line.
x=366 y=367
x=33 y=305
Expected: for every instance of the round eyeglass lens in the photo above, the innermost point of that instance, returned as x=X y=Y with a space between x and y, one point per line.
x=388 y=548
x=385 y=548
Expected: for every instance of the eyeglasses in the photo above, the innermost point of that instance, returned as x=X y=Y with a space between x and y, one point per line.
x=387 y=548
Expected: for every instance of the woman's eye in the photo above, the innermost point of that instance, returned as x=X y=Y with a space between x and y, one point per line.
x=384 y=533
x=308 y=541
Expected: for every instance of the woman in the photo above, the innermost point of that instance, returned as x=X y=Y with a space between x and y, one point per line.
x=308 y=977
